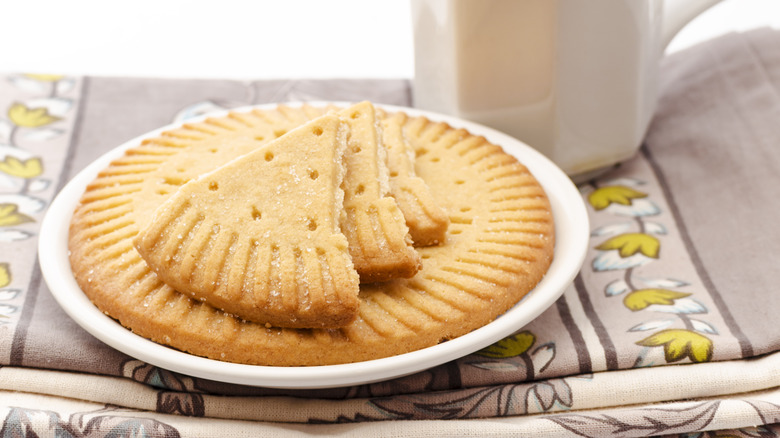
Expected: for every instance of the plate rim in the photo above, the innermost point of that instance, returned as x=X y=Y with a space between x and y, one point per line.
x=571 y=227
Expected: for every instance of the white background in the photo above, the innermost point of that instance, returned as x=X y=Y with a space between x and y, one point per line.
x=251 y=39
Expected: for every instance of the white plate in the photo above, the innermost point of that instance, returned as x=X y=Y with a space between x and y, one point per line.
x=571 y=228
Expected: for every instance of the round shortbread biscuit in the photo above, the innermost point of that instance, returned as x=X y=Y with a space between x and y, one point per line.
x=498 y=246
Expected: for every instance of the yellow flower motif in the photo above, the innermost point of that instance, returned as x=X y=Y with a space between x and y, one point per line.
x=602 y=197
x=640 y=299
x=21 y=169
x=9 y=215
x=44 y=77
x=5 y=275
x=512 y=346
x=26 y=117
x=679 y=344
x=631 y=243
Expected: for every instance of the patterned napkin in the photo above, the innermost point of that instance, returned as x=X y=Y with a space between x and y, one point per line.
x=671 y=327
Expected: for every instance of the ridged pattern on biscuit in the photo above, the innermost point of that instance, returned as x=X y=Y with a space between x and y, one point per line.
x=272 y=282
x=427 y=221
x=379 y=241
x=498 y=246
x=259 y=237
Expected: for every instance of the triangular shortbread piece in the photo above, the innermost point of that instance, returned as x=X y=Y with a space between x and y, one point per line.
x=378 y=237
x=260 y=236
x=427 y=221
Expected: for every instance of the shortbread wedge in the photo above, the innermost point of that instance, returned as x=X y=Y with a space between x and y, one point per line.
x=376 y=230
x=259 y=237
x=426 y=220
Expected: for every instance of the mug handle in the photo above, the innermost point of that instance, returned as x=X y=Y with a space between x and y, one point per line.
x=677 y=13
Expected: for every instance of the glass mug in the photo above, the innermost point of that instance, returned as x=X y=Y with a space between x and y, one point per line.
x=575 y=79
